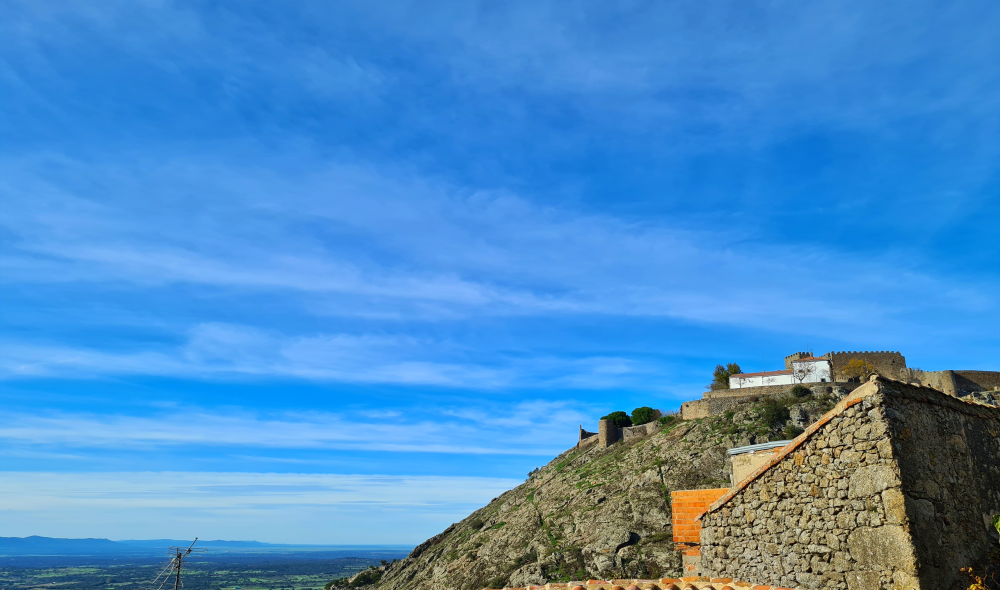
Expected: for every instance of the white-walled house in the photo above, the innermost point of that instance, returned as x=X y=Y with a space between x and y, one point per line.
x=760 y=379
x=806 y=370
x=812 y=370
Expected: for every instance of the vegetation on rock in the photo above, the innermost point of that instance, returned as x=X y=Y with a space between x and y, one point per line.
x=590 y=513
x=800 y=391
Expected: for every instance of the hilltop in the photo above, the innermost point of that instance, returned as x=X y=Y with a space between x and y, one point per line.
x=593 y=512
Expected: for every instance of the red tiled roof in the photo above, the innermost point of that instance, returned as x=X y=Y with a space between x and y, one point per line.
x=697 y=582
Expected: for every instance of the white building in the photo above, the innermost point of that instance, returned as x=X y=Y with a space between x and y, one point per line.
x=805 y=370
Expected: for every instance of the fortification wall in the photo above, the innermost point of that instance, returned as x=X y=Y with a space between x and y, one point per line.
x=718 y=402
x=939 y=380
x=983 y=380
x=890 y=489
x=957 y=383
x=607 y=433
x=640 y=431
x=887 y=362
x=776 y=390
x=794 y=357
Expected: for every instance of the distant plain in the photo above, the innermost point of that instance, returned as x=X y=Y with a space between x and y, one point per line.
x=92 y=564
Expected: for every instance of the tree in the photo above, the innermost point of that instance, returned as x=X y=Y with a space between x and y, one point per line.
x=619 y=419
x=857 y=369
x=721 y=375
x=643 y=415
x=802 y=370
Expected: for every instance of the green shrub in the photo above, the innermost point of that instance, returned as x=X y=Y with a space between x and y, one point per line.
x=801 y=391
x=664 y=420
x=619 y=419
x=773 y=412
x=476 y=523
x=643 y=415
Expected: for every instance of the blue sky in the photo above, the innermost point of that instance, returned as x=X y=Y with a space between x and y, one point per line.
x=342 y=272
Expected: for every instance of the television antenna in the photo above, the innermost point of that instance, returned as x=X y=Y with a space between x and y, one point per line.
x=173 y=568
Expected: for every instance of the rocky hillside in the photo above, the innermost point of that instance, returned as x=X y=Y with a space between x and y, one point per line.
x=597 y=513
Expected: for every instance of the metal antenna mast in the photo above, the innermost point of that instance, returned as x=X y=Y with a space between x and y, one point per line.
x=174 y=566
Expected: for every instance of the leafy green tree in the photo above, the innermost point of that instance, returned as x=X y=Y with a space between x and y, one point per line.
x=619 y=419
x=720 y=377
x=643 y=415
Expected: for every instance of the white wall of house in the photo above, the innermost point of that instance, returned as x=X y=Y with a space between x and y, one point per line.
x=739 y=381
x=818 y=371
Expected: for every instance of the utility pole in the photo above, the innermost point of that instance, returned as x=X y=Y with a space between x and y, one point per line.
x=180 y=560
x=173 y=567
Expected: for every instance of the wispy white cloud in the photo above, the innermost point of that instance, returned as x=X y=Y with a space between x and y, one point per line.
x=531 y=427
x=354 y=241
x=226 y=351
x=273 y=507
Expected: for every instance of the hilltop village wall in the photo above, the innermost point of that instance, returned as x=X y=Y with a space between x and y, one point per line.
x=608 y=434
x=886 y=363
x=893 y=488
x=715 y=403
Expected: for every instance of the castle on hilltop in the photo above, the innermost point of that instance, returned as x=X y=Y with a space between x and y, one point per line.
x=827 y=374
x=803 y=367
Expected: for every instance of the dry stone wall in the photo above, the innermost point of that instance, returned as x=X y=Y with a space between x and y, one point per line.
x=831 y=508
x=948 y=452
x=891 y=489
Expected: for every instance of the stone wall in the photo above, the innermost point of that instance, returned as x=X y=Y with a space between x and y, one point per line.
x=887 y=362
x=889 y=489
x=695 y=409
x=716 y=403
x=948 y=453
x=774 y=390
x=607 y=433
x=957 y=383
x=791 y=525
x=983 y=380
x=640 y=431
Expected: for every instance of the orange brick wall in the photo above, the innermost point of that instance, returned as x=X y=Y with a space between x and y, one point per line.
x=685 y=507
